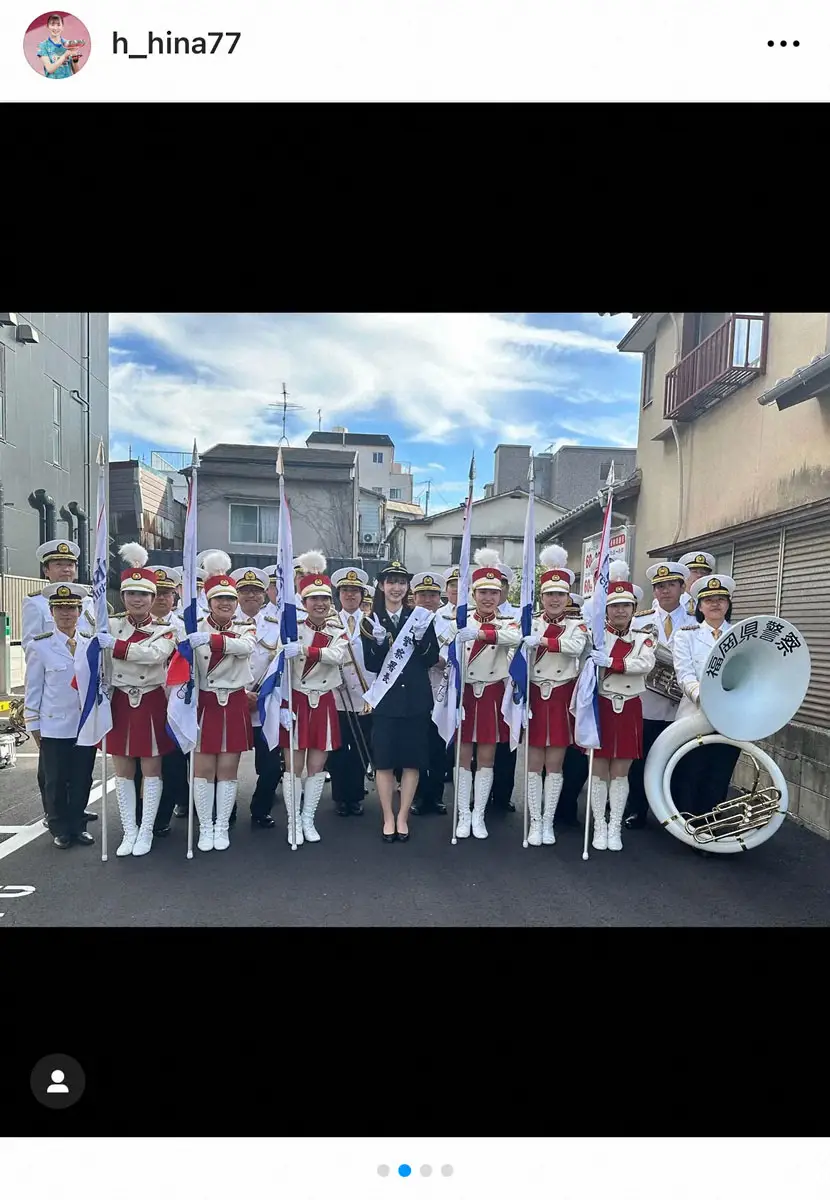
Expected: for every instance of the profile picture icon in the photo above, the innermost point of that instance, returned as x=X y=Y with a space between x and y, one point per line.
x=57 y=45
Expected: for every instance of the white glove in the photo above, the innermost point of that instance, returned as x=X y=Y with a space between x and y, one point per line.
x=467 y=634
x=600 y=658
x=532 y=640
x=418 y=632
x=378 y=632
x=105 y=640
x=291 y=649
x=198 y=639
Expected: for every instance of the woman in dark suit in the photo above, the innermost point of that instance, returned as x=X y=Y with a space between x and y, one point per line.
x=401 y=717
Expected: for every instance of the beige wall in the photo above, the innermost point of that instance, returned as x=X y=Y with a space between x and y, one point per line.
x=740 y=461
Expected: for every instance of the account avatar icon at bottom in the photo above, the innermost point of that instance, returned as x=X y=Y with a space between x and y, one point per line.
x=57 y=45
x=58 y=1081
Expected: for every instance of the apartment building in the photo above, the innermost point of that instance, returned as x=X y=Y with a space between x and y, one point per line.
x=379 y=470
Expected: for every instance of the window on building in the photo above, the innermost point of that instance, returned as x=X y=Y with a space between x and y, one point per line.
x=476 y=543
x=648 y=377
x=56 y=425
x=378 y=490
x=2 y=393
x=254 y=524
x=377 y=456
x=394 y=493
x=604 y=471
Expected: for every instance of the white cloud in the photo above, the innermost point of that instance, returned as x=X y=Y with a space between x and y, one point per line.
x=610 y=326
x=435 y=373
x=435 y=467
x=611 y=431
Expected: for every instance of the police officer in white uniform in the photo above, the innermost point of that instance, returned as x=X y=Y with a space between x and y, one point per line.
x=668 y=614
x=52 y=711
x=700 y=564
x=251 y=588
x=347 y=766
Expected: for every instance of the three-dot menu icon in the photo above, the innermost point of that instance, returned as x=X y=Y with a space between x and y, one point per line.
x=405 y=1170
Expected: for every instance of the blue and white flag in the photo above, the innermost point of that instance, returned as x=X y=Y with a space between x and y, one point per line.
x=274 y=687
x=448 y=712
x=96 y=714
x=182 y=705
x=514 y=705
x=585 y=702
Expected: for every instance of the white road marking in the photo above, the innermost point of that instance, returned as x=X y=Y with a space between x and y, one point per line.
x=12 y=828
x=26 y=755
x=29 y=832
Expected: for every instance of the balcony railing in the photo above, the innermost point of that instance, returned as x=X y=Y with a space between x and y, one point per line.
x=730 y=358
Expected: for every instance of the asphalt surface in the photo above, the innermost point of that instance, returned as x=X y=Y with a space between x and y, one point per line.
x=352 y=878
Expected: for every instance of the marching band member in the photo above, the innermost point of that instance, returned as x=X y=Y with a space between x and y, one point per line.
x=506 y=609
x=575 y=763
x=558 y=643
x=174 y=777
x=705 y=782
x=699 y=564
x=403 y=713
x=299 y=573
x=59 y=563
x=368 y=600
x=429 y=796
x=222 y=658
x=346 y=765
x=251 y=588
x=624 y=663
x=137 y=650
x=322 y=649
x=451 y=585
x=52 y=710
x=504 y=764
x=488 y=640
x=271 y=595
x=668 y=615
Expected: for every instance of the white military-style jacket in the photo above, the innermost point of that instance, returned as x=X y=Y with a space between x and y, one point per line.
x=224 y=663
x=139 y=659
x=447 y=611
x=691 y=649
x=655 y=706
x=37 y=617
x=356 y=679
x=633 y=656
x=265 y=651
x=51 y=705
x=487 y=661
x=318 y=667
x=556 y=660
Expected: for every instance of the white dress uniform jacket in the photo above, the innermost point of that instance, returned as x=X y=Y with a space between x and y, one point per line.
x=637 y=664
x=37 y=617
x=325 y=674
x=655 y=706
x=510 y=610
x=554 y=668
x=691 y=650
x=234 y=670
x=356 y=680
x=266 y=649
x=51 y=705
x=145 y=665
x=491 y=662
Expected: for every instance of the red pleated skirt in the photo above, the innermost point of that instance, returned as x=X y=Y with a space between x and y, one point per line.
x=483 y=722
x=621 y=734
x=139 y=732
x=317 y=728
x=225 y=728
x=551 y=724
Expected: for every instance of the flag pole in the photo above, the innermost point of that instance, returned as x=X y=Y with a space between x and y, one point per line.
x=101 y=659
x=585 y=854
x=588 y=807
x=523 y=649
x=191 y=787
x=284 y=583
x=462 y=664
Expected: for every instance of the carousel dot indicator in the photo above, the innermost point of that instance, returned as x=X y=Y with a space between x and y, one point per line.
x=446 y=1170
x=383 y=1170
x=404 y=1170
x=426 y=1171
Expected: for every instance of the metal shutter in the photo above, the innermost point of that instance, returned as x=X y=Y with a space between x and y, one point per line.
x=804 y=592
x=755 y=571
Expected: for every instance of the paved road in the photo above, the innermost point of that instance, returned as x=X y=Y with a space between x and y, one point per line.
x=352 y=878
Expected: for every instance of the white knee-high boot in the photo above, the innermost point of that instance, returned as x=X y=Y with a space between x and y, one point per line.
x=225 y=800
x=534 y=808
x=483 y=784
x=311 y=798
x=125 y=794
x=617 y=796
x=553 y=790
x=599 y=800
x=203 y=803
x=150 y=801
x=465 y=788
x=292 y=787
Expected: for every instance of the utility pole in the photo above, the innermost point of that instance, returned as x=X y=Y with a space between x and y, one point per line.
x=319 y=420
x=426 y=509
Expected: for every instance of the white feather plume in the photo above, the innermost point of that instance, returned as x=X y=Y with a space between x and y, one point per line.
x=313 y=563
x=553 y=556
x=133 y=554
x=216 y=562
x=487 y=557
x=619 y=570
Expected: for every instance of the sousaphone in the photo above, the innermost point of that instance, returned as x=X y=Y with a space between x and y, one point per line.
x=753 y=683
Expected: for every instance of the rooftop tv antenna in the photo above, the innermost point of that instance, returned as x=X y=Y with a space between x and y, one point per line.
x=286 y=408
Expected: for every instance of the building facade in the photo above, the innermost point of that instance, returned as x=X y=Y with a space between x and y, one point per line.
x=238 y=500
x=143 y=507
x=379 y=471
x=725 y=470
x=568 y=478
x=54 y=410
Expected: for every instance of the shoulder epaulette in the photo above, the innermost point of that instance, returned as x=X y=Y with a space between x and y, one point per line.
x=118 y=616
x=645 y=612
x=40 y=636
x=649 y=629
x=273 y=620
x=686 y=628
x=31 y=595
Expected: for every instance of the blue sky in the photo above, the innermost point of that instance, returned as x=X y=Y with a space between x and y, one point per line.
x=442 y=385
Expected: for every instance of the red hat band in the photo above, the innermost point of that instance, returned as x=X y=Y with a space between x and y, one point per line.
x=487 y=577
x=315 y=585
x=620 y=590
x=138 y=579
x=219 y=585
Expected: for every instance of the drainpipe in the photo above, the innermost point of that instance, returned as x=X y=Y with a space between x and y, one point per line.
x=66 y=515
x=678 y=345
x=45 y=506
x=82 y=540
